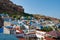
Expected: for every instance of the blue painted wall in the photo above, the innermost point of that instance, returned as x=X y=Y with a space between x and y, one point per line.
x=1 y=30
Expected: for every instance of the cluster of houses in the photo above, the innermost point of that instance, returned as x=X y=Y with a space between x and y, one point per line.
x=31 y=29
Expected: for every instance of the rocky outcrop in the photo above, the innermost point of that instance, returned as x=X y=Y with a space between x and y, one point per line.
x=10 y=7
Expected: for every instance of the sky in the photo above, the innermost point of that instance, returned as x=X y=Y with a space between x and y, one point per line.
x=42 y=7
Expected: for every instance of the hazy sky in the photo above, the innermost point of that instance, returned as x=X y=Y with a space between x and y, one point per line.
x=44 y=7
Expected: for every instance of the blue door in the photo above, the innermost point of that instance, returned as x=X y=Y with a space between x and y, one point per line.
x=1 y=30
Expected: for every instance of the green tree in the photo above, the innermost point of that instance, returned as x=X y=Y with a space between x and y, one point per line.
x=47 y=29
x=14 y=16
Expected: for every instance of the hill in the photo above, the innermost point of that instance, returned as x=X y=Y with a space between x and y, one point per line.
x=6 y=6
x=37 y=16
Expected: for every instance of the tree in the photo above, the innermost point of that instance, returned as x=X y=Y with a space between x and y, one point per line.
x=14 y=16
x=47 y=29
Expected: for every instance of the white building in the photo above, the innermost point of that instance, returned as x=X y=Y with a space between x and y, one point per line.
x=40 y=35
x=6 y=31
